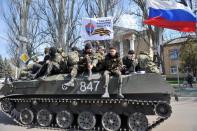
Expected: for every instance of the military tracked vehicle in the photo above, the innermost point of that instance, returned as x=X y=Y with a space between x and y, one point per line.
x=49 y=103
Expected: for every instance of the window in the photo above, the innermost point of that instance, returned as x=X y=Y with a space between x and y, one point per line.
x=173 y=54
x=173 y=69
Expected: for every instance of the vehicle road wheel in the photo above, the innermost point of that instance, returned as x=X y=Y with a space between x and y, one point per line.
x=163 y=109
x=26 y=116
x=64 y=119
x=137 y=122
x=44 y=117
x=6 y=106
x=86 y=120
x=111 y=121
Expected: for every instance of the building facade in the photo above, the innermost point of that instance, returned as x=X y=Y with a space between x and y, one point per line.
x=171 y=59
x=129 y=39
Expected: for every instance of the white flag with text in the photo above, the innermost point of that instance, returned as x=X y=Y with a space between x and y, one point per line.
x=97 y=28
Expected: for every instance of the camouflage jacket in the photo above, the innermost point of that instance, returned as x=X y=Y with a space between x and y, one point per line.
x=145 y=63
x=73 y=58
x=129 y=62
x=113 y=63
x=88 y=59
x=100 y=57
x=57 y=59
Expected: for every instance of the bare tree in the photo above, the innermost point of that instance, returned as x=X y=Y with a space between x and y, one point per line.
x=104 y=8
x=22 y=23
x=62 y=21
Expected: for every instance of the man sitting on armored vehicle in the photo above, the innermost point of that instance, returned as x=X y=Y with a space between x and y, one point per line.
x=146 y=64
x=113 y=66
x=63 y=63
x=88 y=61
x=100 y=54
x=52 y=66
x=31 y=69
x=46 y=56
x=72 y=65
x=129 y=62
x=61 y=52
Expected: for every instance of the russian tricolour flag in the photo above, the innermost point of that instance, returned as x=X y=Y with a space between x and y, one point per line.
x=172 y=15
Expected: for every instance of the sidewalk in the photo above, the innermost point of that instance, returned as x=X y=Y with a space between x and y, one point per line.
x=184 y=86
x=183 y=91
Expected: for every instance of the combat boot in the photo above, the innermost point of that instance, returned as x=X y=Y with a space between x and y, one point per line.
x=106 y=94
x=31 y=76
x=120 y=95
x=70 y=83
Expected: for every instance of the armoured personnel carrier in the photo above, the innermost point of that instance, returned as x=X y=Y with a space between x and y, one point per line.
x=49 y=103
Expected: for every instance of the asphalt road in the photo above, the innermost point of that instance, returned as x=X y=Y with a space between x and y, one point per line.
x=184 y=118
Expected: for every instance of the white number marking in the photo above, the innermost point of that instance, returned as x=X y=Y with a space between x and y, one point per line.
x=82 y=86
x=91 y=86
x=97 y=83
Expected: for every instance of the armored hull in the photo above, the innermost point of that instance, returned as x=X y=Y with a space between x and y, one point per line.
x=49 y=103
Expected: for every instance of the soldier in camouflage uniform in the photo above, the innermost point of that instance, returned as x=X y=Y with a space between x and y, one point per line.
x=52 y=66
x=113 y=66
x=129 y=62
x=146 y=64
x=100 y=54
x=31 y=68
x=88 y=61
x=63 y=64
x=46 y=56
x=72 y=64
x=62 y=53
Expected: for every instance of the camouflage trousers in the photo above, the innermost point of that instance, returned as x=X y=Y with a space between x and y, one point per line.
x=78 y=69
x=73 y=70
x=32 y=69
x=48 y=69
x=107 y=75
